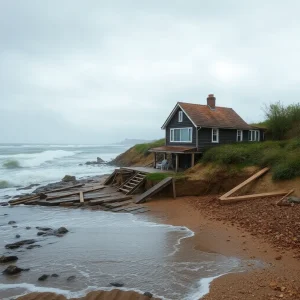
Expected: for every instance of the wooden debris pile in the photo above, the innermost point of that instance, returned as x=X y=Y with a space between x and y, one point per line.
x=96 y=196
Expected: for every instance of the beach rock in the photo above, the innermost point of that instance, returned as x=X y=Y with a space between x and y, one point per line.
x=44 y=228
x=17 y=236
x=6 y=259
x=279 y=257
x=69 y=178
x=28 y=227
x=71 y=278
x=19 y=244
x=11 y=222
x=149 y=295
x=100 y=160
x=41 y=233
x=28 y=187
x=62 y=230
x=117 y=284
x=14 y=226
x=43 y=277
x=4 y=204
x=55 y=275
x=33 y=246
x=12 y=270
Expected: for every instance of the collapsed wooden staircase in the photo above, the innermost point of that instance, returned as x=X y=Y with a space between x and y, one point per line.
x=133 y=183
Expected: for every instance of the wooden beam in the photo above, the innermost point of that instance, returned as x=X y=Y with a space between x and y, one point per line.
x=81 y=198
x=279 y=203
x=254 y=196
x=253 y=177
x=193 y=159
x=154 y=160
x=75 y=193
x=174 y=188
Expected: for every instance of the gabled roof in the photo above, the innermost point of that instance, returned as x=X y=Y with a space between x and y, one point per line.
x=203 y=116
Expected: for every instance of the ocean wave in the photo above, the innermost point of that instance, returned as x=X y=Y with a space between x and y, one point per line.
x=34 y=159
x=4 y=184
x=11 y=164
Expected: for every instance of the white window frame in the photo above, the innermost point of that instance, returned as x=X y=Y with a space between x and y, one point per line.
x=254 y=136
x=212 y=135
x=241 y=135
x=172 y=135
x=180 y=116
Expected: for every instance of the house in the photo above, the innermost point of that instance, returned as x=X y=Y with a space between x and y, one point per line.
x=190 y=129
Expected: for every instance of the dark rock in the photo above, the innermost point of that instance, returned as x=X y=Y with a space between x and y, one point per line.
x=17 y=236
x=5 y=215
x=33 y=246
x=43 y=277
x=28 y=227
x=19 y=244
x=4 y=204
x=62 y=230
x=6 y=259
x=69 y=178
x=11 y=222
x=100 y=160
x=55 y=275
x=80 y=165
x=71 y=278
x=42 y=196
x=41 y=233
x=149 y=295
x=44 y=228
x=12 y=270
x=117 y=284
x=28 y=187
x=15 y=226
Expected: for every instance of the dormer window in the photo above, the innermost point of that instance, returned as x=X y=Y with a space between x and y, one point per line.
x=180 y=116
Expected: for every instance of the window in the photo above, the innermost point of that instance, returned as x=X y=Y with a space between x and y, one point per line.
x=254 y=135
x=184 y=135
x=215 y=135
x=239 y=135
x=180 y=116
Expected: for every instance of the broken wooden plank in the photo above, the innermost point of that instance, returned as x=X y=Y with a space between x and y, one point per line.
x=64 y=188
x=253 y=177
x=254 y=196
x=141 y=210
x=23 y=200
x=110 y=199
x=76 y=192
x=280 y=202
x=81 y=198
x=118 y=204
x=132 y=208
x=155 y=189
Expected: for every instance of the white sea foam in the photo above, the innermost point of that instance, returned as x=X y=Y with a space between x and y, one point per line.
x=31 y=288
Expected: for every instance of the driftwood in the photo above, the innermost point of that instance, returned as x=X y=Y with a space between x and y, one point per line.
x=253 y=177
x=75 y=192
x=110 y=200
x=281 y=203
x=226 y=199
x=24 y=200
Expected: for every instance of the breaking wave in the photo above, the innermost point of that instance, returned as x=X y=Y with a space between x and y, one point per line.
x=4 y=184
x=11 y=164
x=35 y=159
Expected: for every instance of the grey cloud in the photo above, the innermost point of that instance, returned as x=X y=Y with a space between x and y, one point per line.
x=115 y=69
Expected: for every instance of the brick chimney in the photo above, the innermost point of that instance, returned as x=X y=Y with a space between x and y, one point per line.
x=211 y=101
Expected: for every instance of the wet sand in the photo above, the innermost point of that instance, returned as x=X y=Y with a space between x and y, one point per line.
x=278 y=279
x=101 y=295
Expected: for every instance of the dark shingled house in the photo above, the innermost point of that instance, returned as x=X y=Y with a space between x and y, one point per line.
x=192 y=128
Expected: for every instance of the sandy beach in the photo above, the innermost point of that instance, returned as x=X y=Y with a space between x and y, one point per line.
x=277 y=279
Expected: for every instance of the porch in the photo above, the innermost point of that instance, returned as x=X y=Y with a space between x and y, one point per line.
x=178 y=157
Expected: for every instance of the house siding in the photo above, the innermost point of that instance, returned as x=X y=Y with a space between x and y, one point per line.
x=226 y=136
x=173 y=123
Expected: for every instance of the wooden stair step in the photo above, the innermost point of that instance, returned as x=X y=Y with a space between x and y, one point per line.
x=118 y=204
x=110 y=200
x=124 y=190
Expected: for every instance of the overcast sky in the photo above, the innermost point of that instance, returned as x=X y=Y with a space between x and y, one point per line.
x=100 y=71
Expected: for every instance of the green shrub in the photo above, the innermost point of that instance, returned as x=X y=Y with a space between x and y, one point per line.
x=143 y=148
x=157 y=176
x=271 y=157
x=293 y=144
x=287 y=169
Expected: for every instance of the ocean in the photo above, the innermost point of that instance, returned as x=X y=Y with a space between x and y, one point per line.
x=25 y=164
x=101 y=247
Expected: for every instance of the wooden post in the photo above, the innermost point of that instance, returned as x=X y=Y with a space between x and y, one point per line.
x=81 y=197
x=174 y=188
x=193 y=159
x=154 y=160
x=176 y=165
x=165 y=155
